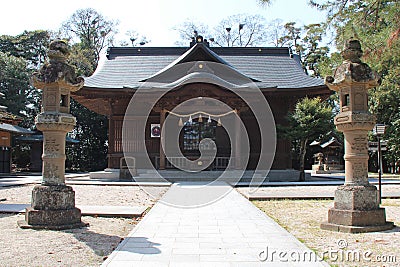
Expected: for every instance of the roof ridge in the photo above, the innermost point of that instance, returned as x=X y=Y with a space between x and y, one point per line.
x=113 y=52
x=197 y=53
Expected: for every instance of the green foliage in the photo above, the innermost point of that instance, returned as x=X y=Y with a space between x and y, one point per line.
x=14 y=82
x=91 y=130
x=310 y=120
x=20 y=97
x=90 y=33
x=370 y=21
x=30 y=45
x=291 y=36
x=327 y=65
x=92 y=29
x=82 y=59
x=376 y=23
x=305 y=41
x=20 y=56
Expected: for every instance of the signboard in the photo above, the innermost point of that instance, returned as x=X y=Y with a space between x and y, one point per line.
x=5 y=139
x=155 y=130
x=373 y=146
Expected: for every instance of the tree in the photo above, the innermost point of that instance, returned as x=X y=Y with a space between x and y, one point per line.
x=14 y=83
x=80 y=58
x=20 y=56
x=241 y=30
x=310 y=120
x=188 y=29
x=265 y=2
x=237 y=30
x=305 y=41
x=92 y=29
x=30 y=45
x=134 y=39
x=290 y=36
x=311 y=51
x=277 y=33
x=377 y=25
x=91 y=130
x=90 y=33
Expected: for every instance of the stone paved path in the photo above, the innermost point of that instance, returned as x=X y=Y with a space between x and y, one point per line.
x=227 y=232
x=109 y=211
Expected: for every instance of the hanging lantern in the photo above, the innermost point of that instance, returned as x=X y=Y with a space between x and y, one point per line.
x=200 y=118
x=209 y=119
x=180 y=123
x=190 y=119
x=219 y=122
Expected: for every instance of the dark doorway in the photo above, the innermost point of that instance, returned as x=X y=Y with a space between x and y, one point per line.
x=5 y=160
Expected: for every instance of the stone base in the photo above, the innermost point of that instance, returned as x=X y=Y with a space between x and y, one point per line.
x=319 y=169
x=52 y=219
x=25 y=225
x=53 y=207
x=53 y=197
x=126 y=174
x=356 y=229
x=357 y=217
x=356 y=197
x=356 y=210
x=112 y=174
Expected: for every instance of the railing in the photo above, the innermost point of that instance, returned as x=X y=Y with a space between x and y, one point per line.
x=171 y=162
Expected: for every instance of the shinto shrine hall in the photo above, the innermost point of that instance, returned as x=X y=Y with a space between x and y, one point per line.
x=275 y=71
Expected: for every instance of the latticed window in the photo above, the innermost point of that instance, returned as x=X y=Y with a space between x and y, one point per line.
x=195 y=131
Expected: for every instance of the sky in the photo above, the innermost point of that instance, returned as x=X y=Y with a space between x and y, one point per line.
x=154 y=19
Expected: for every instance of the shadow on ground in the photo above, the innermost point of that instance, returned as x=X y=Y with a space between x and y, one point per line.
x=101 y=244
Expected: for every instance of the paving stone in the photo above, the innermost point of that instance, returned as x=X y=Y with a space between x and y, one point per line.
x=228 y=232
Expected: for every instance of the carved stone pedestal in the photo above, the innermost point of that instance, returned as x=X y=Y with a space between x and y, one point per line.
x=356 y=210
x=52 y=207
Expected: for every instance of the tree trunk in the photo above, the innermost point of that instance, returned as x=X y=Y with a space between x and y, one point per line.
x=303 y=150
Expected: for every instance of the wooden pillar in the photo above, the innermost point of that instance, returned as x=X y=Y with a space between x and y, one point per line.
x=238 y=136
x=111 y=137
x=162 y=154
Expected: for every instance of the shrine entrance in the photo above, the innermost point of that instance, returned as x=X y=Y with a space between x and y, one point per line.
x=202 y=132
x=206 y=135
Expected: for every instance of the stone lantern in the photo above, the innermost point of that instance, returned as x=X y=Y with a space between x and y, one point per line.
x=53 y=202
x=356 y=207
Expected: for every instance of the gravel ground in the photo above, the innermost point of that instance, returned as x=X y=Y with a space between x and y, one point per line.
x=303 y=217
x=276 y=191
x=78 y=247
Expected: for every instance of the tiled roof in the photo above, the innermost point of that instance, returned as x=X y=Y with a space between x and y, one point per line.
x=14 y=129
x=270 y=67
x=7 y=117
x=39 y=138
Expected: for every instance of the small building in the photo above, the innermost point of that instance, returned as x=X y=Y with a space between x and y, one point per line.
x=35 y=142
x=275 y=71
x=329 y=156
x=8 y=127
